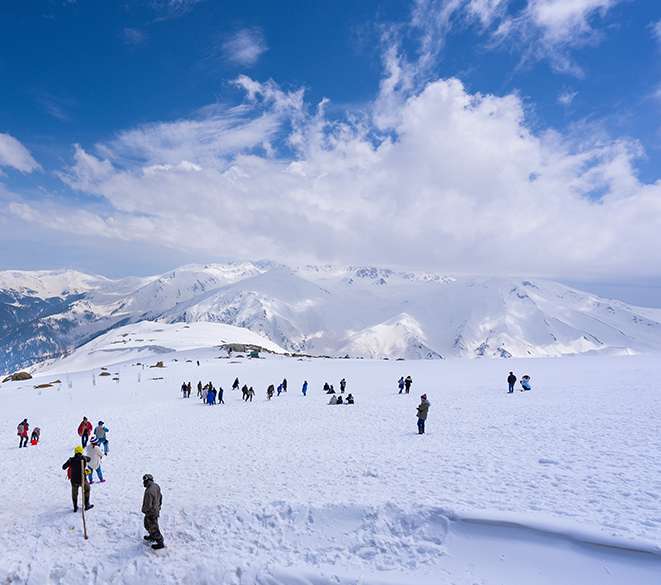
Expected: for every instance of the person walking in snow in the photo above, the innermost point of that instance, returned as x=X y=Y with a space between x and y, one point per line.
x=211 y=396
x=326 y=388
x=407 y=383
x=34 y=437
x=423 y=411
x=400 y=384
x=269 y=392
x=22 y=431
x=284 y=384
x=75 y=467
x=189 y=389
x=100 y=433
x=220 y=395
x=511 y=380
x=199 y=389
x=94 y=456
x=279 y=389
x=343 y=385
x=184 y=389
x=152 y=501
x=304 y=389
x=84 y=431
x=235 y=386
x=251 y=394
x=244 y=392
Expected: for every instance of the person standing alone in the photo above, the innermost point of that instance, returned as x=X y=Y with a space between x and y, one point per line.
x=423 y=410
x=151 y=508
x=511 y=380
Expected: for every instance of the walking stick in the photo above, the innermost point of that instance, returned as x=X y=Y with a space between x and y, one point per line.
x=82 y=508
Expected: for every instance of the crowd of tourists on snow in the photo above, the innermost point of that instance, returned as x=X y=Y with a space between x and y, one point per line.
x=87 y=458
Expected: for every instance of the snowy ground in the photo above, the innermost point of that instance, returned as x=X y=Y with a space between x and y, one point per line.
x=558 y=485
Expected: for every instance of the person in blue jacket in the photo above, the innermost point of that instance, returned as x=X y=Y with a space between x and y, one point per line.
x=525 y=383
x=305 y=388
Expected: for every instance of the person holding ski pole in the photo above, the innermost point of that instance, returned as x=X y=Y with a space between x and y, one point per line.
x=75 y=467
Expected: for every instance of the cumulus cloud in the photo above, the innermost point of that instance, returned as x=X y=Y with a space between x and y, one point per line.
x=13 y=154
x=244 y=47
x=458 y=182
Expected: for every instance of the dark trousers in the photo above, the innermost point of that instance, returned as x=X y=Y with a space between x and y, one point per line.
x=84 y=438
x=511 y=386
x=23 y=442
x=421 y=426
x=86 y=494
x=151 y=526
x=408 y=388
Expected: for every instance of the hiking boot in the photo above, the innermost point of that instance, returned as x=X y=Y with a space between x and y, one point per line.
x=148 y=538
x=89 y=507
x=75 y=509
x=158 y=546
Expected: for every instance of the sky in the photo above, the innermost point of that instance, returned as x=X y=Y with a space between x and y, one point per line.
x=503 y=137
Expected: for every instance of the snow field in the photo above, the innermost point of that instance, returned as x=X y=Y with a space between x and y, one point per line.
x=558 y=485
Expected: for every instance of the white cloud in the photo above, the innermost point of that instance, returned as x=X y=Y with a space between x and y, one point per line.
x=244 y=47
x=13 y=154
x=173 y=8
x=656 y=31
x=566 y=98
x=550 y=28
x=133 y=36
x=459 y=182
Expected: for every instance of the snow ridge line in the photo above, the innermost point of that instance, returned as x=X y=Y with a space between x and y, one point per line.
x=553 y=528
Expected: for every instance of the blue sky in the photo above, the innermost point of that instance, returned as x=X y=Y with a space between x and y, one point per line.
x=139 y=135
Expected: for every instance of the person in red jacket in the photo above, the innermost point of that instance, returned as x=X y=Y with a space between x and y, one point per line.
x=22 y=432
x=84 y=430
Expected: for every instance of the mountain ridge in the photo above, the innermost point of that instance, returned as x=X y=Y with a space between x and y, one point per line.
x=360 y=311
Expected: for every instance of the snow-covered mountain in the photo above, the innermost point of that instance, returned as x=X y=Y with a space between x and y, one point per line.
x=329 y=310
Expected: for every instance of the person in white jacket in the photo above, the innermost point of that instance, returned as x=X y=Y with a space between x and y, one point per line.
x=94 y=464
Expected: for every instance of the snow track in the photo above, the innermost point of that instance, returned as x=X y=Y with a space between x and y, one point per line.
x=279 y=544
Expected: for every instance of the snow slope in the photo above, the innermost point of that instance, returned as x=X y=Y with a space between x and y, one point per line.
x=558 y=485
x=364 y=312
x=146 y=340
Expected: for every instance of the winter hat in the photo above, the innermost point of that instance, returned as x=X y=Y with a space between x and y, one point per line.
x=94 y=441
x=78 y=450
x=424 y=397
x=100 y=422
x=147 y=477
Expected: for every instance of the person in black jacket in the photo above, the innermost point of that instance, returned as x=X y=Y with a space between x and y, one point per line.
x=151 y=508
x=76 y=466
x=511 y=380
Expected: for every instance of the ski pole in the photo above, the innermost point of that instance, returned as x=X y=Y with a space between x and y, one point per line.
x=82 y=508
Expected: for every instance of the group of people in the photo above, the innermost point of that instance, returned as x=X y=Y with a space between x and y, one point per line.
x=525 y=383
x=330 y=389
x=337 y=399
x=22 y=431
x=404 y=384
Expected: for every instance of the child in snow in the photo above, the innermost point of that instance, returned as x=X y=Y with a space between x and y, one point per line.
x=94 y=456
x=100 y=435
x=525 y=383
x=34 y=438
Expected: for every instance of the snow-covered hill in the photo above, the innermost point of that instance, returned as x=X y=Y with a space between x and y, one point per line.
x=147 y=340
x=357 y=311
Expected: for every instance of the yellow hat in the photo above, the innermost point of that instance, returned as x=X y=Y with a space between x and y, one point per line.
x=78 y=450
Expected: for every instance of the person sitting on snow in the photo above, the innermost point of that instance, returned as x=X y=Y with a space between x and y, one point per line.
x=333 y=400
x=525 y=383
x=349 y=399
x=34 y=438
x=339 y=400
